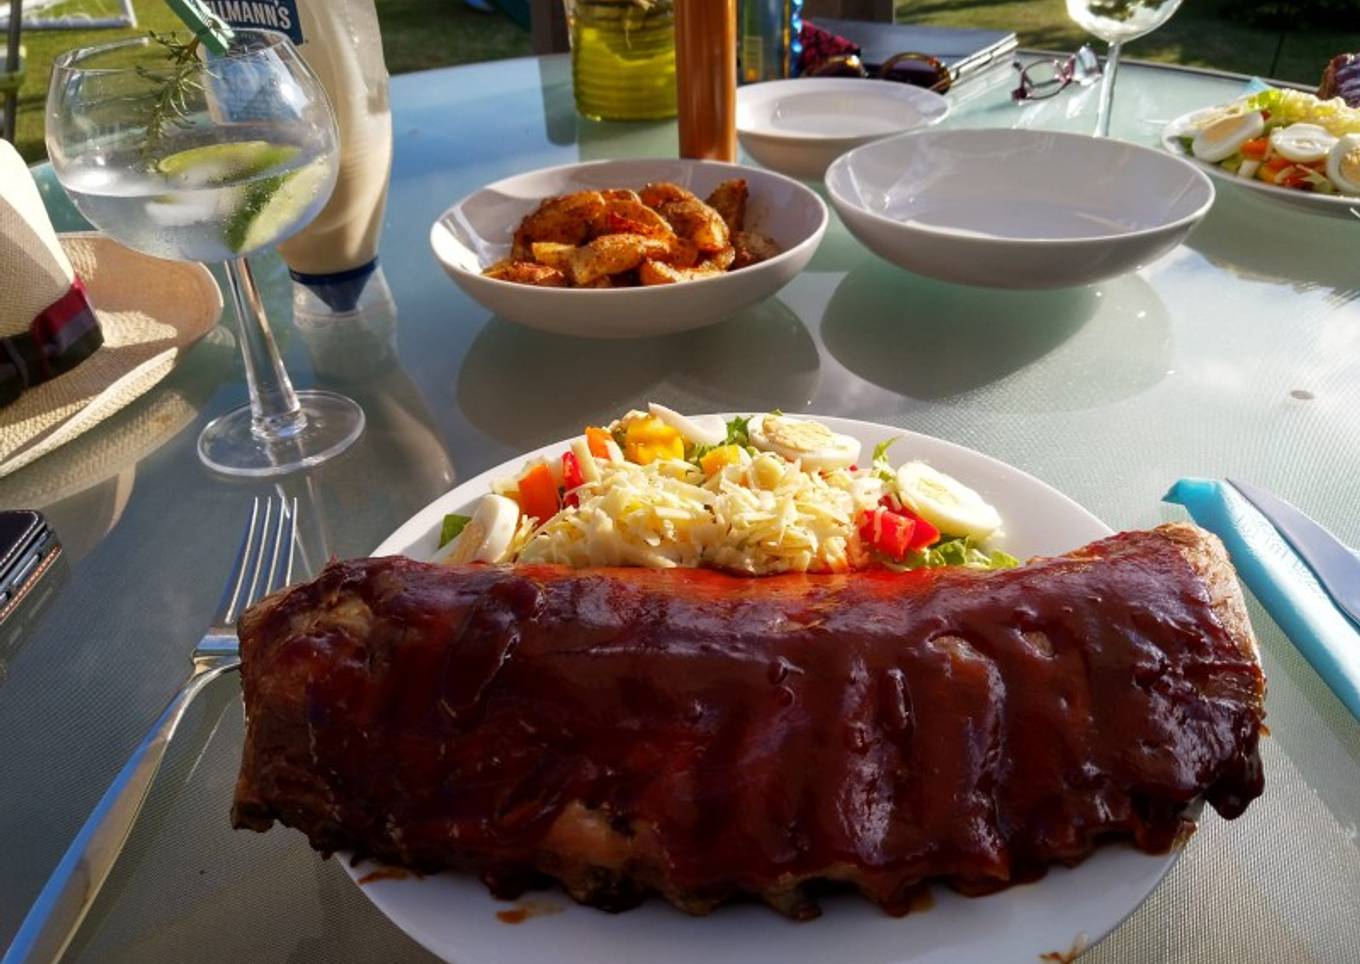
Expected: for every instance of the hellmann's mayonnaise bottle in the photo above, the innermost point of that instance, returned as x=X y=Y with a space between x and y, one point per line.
x=334 y=257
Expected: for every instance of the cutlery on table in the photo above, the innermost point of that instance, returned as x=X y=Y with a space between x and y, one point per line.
x=1306 y=578
x=264 y=564
x=1335 y=564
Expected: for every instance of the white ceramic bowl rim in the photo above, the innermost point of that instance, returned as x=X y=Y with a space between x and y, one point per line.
x=927 y=229
x=605 y=292
x=916 y=97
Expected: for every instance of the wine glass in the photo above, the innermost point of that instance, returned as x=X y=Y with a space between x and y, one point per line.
x=192 y=156
x=1115 y=21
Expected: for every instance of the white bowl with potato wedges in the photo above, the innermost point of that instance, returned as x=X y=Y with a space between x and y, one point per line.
x=629 y=248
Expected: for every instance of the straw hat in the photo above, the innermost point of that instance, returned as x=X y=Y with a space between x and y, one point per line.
x=149 y=311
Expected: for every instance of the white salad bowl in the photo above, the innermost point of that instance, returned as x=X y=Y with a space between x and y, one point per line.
x=476 y=232
x=800 y=126
x=1017 y=208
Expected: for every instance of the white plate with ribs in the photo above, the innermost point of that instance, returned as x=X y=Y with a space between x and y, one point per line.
x=455 y=917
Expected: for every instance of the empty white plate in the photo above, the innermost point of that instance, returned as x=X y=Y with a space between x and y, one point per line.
x=1016 y=208
x=800 y=126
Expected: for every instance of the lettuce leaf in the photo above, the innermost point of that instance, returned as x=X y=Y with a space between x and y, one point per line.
x=881 y=467
x=957 y=551
x=738 y=432
x=1297 y=106
x=453 y=525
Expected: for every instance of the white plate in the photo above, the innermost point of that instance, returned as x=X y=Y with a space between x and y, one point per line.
x=454 y=917
x=1016 y=208
x=475 y=233
x=800 y=126
x=1337 y=206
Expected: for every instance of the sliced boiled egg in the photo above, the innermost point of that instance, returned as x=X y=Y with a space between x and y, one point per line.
x=945 y=502
x=1302 y=143
x=803 y=440
x=1224 y=137
x=487 y=535
x=1343 y=164
x=695 y=429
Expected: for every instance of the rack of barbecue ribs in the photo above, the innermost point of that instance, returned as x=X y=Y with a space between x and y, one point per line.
x=705 y=737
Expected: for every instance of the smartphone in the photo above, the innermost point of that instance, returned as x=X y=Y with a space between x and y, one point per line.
x=28 y=548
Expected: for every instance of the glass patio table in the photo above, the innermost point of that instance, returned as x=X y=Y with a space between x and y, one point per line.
x=1237 y=354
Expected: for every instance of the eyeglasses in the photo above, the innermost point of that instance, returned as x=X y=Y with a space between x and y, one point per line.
x=919 y=70
x=1048 y=78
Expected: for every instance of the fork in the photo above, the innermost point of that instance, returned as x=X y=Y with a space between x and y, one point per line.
x=263 y=565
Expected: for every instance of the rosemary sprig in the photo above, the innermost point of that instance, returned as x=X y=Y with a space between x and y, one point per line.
x=170 y=107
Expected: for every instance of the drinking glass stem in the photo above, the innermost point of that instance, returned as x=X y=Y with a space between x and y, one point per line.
x=1107 y=91
x=275 y=412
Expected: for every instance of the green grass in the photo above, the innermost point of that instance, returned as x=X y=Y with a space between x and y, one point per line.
x=417 y=34
x=1198 y=35
x=420 y=34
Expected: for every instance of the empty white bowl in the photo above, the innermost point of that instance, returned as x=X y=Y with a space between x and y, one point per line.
x=1017 y=208
x=476 y=232
x=799 y=126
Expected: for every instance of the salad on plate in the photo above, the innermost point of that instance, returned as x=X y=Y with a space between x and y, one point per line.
x=758 y=495
x=1286 y=138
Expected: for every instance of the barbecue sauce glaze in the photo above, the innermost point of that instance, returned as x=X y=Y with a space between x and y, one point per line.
x=879 y=729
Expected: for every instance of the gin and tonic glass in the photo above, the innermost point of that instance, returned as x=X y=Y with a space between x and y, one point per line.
x=193 y=156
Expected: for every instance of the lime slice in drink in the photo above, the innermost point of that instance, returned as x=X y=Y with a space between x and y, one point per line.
x=272 y=205
x=214 y=164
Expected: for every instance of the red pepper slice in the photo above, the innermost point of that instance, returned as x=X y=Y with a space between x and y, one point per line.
x=923 y=533
x=538 y=493
x=572 y=476
x=889 y=532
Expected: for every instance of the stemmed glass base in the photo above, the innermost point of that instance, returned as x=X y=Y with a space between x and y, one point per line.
x=281 y=430
x=330 y=423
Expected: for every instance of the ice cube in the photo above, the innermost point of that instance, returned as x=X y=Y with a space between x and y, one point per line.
x=182 y=208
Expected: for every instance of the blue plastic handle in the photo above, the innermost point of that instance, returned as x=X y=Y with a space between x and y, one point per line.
x=1282 y=582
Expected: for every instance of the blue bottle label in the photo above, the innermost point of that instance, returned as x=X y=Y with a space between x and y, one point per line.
x=280 y=16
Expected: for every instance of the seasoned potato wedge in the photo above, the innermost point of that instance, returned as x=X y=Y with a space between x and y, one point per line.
x=695 y=221
x=752 y=247
x=620 y=237
x=553 y=254
x=569 y=219
x=729 y=200
x=612 y=254
x=664 y=192
x=527 y=273
x=660 y=273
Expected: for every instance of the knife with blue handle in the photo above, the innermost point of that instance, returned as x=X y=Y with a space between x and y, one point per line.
x=1286 y=585
x=1336 y=566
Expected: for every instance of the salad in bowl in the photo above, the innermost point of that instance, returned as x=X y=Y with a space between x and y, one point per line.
x=1285 y=139
x=757 y=495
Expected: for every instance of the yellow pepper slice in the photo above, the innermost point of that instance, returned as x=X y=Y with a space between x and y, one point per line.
x=648 y=439
x=715 y=460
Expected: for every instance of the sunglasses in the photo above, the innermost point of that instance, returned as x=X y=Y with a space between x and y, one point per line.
x=919 y=70
x=1048 y=78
